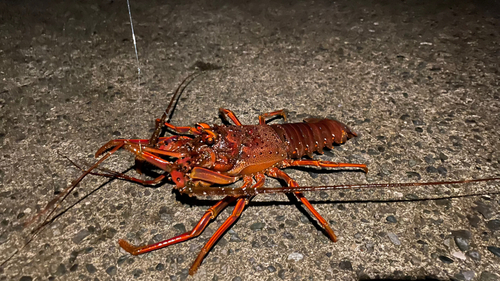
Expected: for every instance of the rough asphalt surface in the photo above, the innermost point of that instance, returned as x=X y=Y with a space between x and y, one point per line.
x=418 y=81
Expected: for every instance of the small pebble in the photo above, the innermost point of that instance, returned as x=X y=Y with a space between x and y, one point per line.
x=443 y=157
x=281 y=274
x=111 y=270
x=417 y=122
x=345 y=265
x=474 y=255
x=394 y=238
x=73 y=268
x=234 y=238
x=468 y=275
x=473 y=220
x=488 y=276
x=122 y=259
x=288 y=235
x=61 y=270
x=429 y=159
x=398 y=194
x=459 y=255
x=304 y=219
x=391 y=219
x=466 y=234
x=184 y=274
x=462 y=244
x=442 y=170
x=90 y=268
x=445 y=259
x=180 y=227
x=222 y=242
x=484 y=209
x=431 y=169
x=160 y=267
x=80 y=236
x=291 y=223
x=271 y=269
x=295 y=256
x=494 y=250
x=323 y=195
x=493 y=225
x=257 y=226
x=137 y=272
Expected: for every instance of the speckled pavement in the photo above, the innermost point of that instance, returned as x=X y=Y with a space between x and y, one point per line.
x=418 y=81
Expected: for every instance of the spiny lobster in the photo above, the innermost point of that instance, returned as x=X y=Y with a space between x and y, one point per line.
x=222 y=155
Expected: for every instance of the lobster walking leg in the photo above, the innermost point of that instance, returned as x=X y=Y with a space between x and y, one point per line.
x=324 y=164
x=277 y=173
x=210 y=214
x=238 y=209
x=228 y=113
x=181 y=129
x=262 y=118
x=144 y=153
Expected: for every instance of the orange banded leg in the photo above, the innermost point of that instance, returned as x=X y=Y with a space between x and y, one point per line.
x=238 y=209
x=262 y=117
x=210 y=214
x=228 y=113
x=325 y=164
x=135 y=146
x=260 y=179
x=277 y=173
x=142 y=153
x=181 y=129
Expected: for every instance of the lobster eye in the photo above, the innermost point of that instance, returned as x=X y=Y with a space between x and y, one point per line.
x=209 y=137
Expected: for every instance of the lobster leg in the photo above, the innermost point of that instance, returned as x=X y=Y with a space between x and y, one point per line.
x=133 y=146
x=277 y=173
x=228 y=113
x=238 y=209
x=213 y=177
x=324 y=164
x=182 y=129
x=210 y=214
x=262 y=118
x=142 y=152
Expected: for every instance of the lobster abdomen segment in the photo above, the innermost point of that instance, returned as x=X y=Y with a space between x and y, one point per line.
x=312 y=136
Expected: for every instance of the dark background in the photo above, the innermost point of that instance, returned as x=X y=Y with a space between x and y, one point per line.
x=418 y=80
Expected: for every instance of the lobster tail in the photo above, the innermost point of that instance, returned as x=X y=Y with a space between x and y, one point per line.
x=312 y=136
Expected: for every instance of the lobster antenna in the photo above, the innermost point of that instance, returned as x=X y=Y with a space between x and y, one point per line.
x=273 y=190
x=135 y=47
x=168 y=112
x=55 y=203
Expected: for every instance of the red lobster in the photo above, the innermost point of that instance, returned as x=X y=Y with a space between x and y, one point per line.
x=222 y=155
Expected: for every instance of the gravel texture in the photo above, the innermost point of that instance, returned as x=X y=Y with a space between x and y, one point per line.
x=418 y=81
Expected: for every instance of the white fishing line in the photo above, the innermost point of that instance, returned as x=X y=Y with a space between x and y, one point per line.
x=135 y=46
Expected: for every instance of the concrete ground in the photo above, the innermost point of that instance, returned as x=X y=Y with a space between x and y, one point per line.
x=418 y=81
